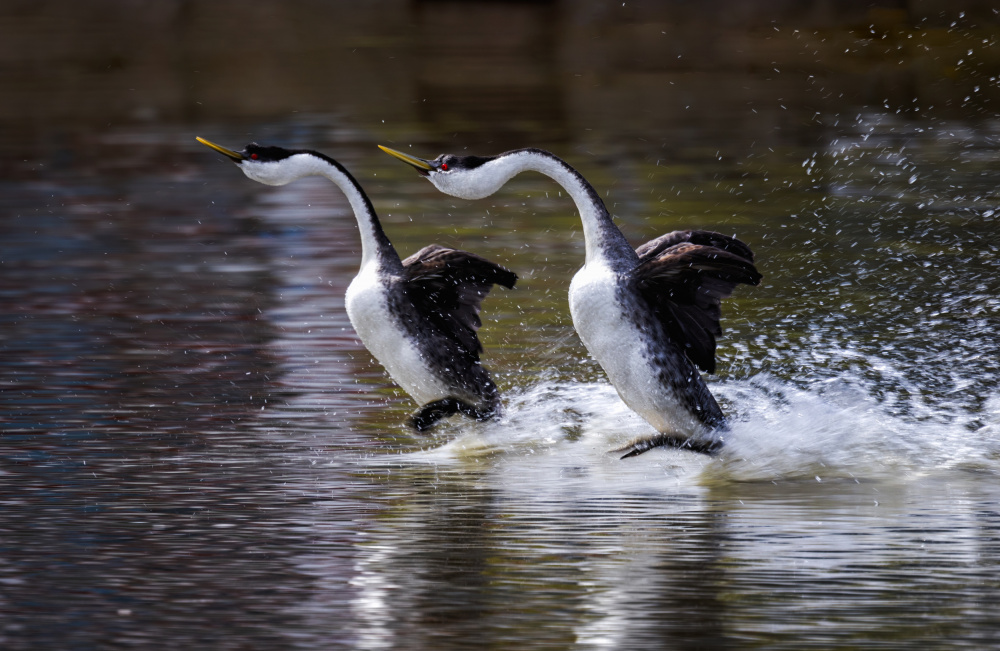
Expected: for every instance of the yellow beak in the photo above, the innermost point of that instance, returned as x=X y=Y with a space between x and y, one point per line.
x=419 y=163
x=235 y=155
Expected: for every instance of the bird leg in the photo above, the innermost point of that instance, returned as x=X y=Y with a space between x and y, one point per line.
x=428 y=415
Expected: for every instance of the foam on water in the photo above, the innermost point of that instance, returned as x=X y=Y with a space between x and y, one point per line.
x=780 y=432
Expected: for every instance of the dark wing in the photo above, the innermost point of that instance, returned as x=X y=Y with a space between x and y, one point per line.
x=447 y=287
x=684 y=276
x=653 y=248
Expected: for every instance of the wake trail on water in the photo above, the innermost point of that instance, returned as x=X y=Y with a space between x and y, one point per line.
x=778 y=430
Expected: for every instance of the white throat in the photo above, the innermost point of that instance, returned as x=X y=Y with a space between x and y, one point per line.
x=300 y=165
x=603 y=239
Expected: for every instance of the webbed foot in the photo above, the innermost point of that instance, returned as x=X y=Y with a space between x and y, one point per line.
x=637 y=447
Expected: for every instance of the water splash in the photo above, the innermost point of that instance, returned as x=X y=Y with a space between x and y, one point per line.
x=781 y=431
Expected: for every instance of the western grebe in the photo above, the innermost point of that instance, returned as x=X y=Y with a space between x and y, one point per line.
x=419 y=316
x=649 y=316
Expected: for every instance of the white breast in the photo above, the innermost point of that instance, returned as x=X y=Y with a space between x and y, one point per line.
x=623 y=351
x=381 y=333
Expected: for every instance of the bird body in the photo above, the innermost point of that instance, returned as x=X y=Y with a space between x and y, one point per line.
x=637 y=359
x=649 y=316
x=384 y=334
x=419 y=316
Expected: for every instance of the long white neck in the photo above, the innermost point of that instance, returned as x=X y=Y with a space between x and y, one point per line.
x=375 y=246
x=604 y=242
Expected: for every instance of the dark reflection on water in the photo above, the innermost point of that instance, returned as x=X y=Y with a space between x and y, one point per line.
x=109 y=296
x=197 y=449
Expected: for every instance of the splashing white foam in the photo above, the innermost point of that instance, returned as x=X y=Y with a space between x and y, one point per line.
x=779 y=431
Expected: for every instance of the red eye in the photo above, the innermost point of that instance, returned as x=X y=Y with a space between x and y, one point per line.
x=444 y=166
x=253 y=156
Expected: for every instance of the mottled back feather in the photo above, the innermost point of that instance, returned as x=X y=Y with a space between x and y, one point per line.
x=684 y=276
x=447 y=287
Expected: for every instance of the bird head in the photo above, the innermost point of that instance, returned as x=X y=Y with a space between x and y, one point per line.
x=267 y=165
x=466 y=177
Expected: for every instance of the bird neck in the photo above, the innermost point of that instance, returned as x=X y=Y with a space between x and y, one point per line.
x=604 y=241
x=375 y=246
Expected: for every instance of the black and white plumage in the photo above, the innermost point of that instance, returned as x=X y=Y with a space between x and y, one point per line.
x=418 y=317
x=649 y=316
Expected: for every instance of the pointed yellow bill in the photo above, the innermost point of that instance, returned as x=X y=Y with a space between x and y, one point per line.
x=419 y=163
x=235 y=155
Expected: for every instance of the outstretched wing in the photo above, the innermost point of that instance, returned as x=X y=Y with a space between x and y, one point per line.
x=653 y=248
x=447 y=287
x=684 y=276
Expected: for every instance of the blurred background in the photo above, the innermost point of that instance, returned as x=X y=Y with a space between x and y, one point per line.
x=197 y=448
x=491 y=72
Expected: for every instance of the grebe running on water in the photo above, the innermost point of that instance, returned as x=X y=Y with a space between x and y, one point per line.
x=419 y=316
x=649 y=316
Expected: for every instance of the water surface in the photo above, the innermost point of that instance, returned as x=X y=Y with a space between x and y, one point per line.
x=198 y=449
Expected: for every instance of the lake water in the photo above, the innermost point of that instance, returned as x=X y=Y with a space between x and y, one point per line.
x=197 y=451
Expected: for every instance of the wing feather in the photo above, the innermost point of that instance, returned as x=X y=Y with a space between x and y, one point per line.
x=447 y=287
x=684 y=276
x=654 y=247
